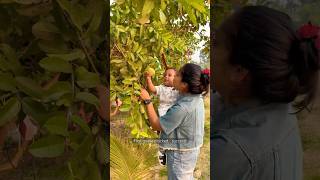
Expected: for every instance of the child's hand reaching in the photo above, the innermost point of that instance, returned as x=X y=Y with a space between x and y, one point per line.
x=147 y=74
x=118 y=102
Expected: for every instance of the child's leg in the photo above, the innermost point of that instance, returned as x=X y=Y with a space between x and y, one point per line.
x=162 y=157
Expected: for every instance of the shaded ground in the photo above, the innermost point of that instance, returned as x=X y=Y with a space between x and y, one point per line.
x=31 y=168
x=310 y=132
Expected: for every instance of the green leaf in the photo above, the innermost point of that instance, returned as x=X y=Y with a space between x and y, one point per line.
x=73 y=55
x=57 y=125
x=10 y=110
x=7 y=83
x=116 y=61
x=120 y=28
x=80 y=122
x=127 y=81
x=98 y=7
x=82 y=151
x=147 y=7
x=26 y=2
x=57 y=90
x=136 y=86
x=47 y=147
x=6 y=1
x=144 y=134
x=3 y=63
x=55 y=64
x=125 y=108
x=192 y=16
x=65 y=100
x=88 y=98
x=134 y=131
x=143 y=20
x=163 y=17
x=45 y=30
x=163 y=5
x=78 y=13
x=93 y=170
x=29 y=86
x=86 y=79
x=56 y=46
x=35 y=10
x=102 y=150
x=36 y=110
x=12 y=61
x=119 y=2
x=198 y=5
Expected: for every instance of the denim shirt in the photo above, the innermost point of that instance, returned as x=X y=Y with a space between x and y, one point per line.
x=183 y=124
x=255 y=141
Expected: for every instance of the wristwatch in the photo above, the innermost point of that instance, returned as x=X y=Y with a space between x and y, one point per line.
x=147 y=101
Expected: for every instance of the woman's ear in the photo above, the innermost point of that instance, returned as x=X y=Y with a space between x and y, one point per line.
x=239 y=74
x=185 y=86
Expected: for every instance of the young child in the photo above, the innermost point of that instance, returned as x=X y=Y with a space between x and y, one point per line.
x=166 y=92
x=167 y=96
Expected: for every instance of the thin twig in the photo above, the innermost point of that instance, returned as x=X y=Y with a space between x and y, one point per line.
x=79 y=35
x=86 y=52
x=120 y=50
x=27 y=48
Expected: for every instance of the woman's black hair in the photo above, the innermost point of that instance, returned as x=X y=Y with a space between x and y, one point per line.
x=265 y=42
x=198 y=82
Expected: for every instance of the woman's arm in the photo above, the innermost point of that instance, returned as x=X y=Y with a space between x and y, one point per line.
x=150 y=85
x=152 y=115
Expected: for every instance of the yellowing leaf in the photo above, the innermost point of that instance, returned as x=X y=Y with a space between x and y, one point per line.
x=163 y=17
x=147 y=7
x=144 y=20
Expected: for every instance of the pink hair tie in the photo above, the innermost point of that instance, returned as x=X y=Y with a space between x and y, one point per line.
x=206 y=72
x=310 y=32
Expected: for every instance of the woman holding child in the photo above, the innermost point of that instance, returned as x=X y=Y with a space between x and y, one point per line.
x=182 y=125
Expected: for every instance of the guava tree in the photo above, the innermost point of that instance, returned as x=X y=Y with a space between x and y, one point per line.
x=149 y=34
x=52 y=73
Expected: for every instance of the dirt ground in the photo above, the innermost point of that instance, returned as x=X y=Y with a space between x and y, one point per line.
x=310 y=132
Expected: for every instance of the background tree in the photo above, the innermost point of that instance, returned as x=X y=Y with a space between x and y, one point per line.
x=143 y=31
x=52 y=72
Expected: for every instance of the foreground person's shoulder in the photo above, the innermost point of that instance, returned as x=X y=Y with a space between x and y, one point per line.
x=228 y=161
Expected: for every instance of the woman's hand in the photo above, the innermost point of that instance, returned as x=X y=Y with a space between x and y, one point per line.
x=144 y=94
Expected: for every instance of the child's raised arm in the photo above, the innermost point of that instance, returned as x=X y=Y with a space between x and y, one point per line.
x=150 y=85
x=119 y=103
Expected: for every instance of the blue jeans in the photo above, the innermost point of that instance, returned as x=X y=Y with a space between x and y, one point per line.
x=180 y=164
